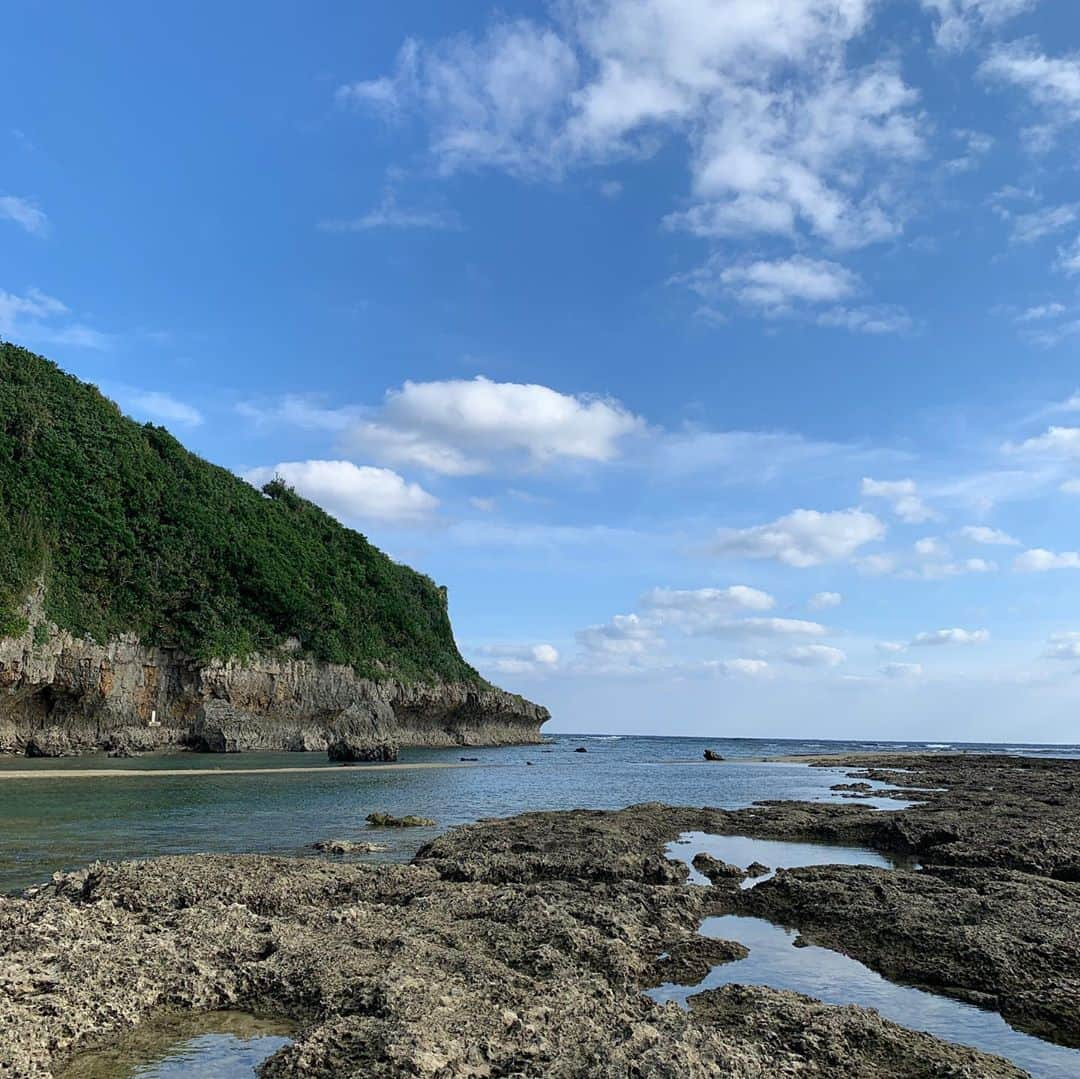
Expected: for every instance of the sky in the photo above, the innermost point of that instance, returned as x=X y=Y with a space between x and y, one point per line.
x=719 y=356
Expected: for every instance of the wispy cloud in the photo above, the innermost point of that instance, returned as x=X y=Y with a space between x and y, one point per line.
x=25 y=213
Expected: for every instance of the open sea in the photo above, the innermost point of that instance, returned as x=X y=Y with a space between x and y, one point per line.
x=53 y=823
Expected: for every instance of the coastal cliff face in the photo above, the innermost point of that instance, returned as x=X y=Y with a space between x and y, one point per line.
x=61 y=695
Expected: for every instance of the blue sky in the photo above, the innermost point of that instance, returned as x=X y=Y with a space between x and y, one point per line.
x=718 y=355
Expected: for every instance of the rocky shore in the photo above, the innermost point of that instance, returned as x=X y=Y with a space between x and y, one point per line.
x=522 y=946
x=61 y=695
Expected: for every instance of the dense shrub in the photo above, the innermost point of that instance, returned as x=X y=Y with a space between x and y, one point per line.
x=134 y=533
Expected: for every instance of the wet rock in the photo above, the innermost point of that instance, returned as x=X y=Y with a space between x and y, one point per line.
x=581 y=749
x=712 y=755
x=847 y=1041
x=717 y=871
x=385 y=820
x=515 y=947
x=689 y=961
x=860 y=787
x=348 y=846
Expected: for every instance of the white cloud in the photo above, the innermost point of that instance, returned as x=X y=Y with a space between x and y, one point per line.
x=815 y=655
x=930 y=547
x=750 y=668
x=761 y=627
x=36 y=316
x=1041 y=312
x=682 y=607
x=1029 y=227
x=950 y=636
x=625 y=636
x=876 y=565
x=804 y=538
x=517 y=658
x=820 y=601
x=779 y=132
x=500 y=100
x=773 y=285
x=160 y=406
x=876 y=319
x=991 y=536
x=1054 y=442
x=25 y=213
x=1038 y=560
x=458 y=427
x=1068 y=260
x=1070 y=487
x=1052 y=83
x=1063 y=646
x=936 y=571
x=355 y=494
x=904 y=497
x=890 y=647
x=901 y=670
x=960 y=20
x=389 y=214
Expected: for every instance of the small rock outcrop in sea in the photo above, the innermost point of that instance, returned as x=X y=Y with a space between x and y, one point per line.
x=385 y=820
x=581 y=749
x=757 y=869
x=716 y=870
x=363 y=733
x=712 y=755
x=348 y=846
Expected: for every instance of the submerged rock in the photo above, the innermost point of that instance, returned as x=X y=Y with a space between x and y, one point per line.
x=385 y=820
x=348 y=846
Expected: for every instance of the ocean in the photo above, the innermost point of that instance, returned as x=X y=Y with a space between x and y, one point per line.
x=53 y=823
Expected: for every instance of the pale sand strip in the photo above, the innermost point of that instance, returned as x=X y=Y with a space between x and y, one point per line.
x=112 y=773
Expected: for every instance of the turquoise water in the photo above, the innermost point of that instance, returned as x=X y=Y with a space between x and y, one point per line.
x=49 y=824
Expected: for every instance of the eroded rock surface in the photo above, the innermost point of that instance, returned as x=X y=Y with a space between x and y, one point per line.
x=514 y=947
x=61 y=695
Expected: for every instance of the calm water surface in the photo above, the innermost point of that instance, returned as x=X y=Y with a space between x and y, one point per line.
x=52 y=824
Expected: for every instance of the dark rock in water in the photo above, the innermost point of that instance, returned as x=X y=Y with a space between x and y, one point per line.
x=716 y=870
x=859 y=787
x=712 y=755
x=348 y=846
x=529 y=763
x=581 y=749
x=756 y=869
x=468 y=758
x=385 y=820
x=363 y=733
x=219 y=727
x=688 y=961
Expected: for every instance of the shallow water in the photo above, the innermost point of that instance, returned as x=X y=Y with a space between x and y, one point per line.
x=742 y=851
x=225 y=1045
x=836 y=979
x=62 y=823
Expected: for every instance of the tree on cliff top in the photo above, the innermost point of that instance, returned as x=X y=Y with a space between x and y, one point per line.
x=133 y=533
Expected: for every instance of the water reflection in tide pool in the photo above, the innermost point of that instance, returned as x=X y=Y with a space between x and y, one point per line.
x=775 y=853
x=775 y=962
x=834 y=978
x=225 y=1045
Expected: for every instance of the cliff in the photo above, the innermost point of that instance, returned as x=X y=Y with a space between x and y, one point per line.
x=148 y=597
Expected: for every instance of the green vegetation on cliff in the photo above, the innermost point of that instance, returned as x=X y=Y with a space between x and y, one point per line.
x=134 y=533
